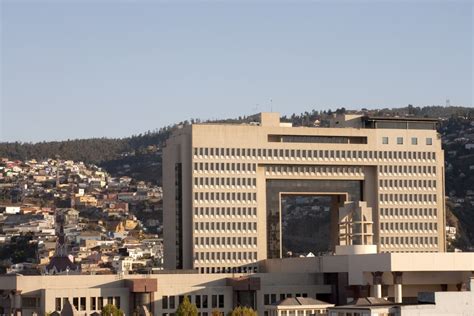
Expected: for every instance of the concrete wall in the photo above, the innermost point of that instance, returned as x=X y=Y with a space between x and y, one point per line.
x=48 y=288
x=446 y=304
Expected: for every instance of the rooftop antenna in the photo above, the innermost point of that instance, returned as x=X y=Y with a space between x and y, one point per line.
x=256 y=108
x=271 y=105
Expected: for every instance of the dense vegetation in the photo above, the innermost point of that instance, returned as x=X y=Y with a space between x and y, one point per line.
x=93 y=150
x=242 y=311
x=186 y=308
x=20 y=249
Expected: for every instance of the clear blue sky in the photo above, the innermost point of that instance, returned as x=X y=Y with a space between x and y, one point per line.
x=77 y=69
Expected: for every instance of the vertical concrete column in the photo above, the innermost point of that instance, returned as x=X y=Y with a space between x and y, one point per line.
x=377 y=290
x=334 y=214
x=15 y=302
x=397 y=287
x=462 y=287
x=377 y=284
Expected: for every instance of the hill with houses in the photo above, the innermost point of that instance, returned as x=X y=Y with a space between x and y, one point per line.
x=139 y=156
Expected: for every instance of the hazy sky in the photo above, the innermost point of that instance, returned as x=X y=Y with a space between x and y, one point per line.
x=76 y=69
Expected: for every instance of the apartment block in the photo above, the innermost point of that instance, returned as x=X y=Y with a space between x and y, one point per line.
x=223 y=187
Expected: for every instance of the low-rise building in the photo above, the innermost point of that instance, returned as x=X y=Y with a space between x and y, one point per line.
x=298 y=306
x=398 y=280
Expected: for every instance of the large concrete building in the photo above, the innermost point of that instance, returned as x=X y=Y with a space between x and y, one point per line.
x=224 y=184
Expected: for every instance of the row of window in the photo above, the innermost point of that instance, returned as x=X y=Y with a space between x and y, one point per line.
x=336 y=313
x=225 y=211
x=239 y=182
x=414 y=140
x=404 y=198
x=218 y=256
x=424 y=226
x=408 y=211
x=269 y=299
x=201 y=301
x=404 y=183
x=253 y=153
x=236 y=181
x=225 y=167
x=225 y=226
x=315 y=311
x=30 y=301
x=409 y=240
x=225 y=196
x=174 y=314
x=225 y=241
x=80 y=303
x=314 y=169
x=245 y=269
x=408 y=169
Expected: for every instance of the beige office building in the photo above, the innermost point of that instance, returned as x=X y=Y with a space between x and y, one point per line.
x=224 y=183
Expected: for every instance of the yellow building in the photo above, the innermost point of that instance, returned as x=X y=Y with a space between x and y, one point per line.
x=85 y=200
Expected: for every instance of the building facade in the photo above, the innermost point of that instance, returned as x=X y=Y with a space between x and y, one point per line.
x=401 y=278
x=223 y=186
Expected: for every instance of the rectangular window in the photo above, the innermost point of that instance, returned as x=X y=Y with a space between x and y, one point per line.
x=399 y=140
x=221 y=301
x=58 y=304
x=429 y=141
x=385 y=140
x=75 y=302
x=214 y=301
x=414 y=141
x=83 y=304
x=164 y=302
x=273 y=298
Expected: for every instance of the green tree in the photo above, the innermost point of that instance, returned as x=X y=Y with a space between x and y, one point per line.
x=186 y=308
x=242 y=311
x=111 y=310
x=216 y=312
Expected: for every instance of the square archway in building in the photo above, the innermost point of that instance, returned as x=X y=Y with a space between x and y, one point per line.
x=334 y=192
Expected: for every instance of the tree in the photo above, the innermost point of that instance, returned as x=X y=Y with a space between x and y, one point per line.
x=216 y=312
x=186 y=308
x=341 y=110
x=111 y=310
x=243 y=311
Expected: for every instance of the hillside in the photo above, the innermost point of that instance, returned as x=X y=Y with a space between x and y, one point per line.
x=139 y=156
